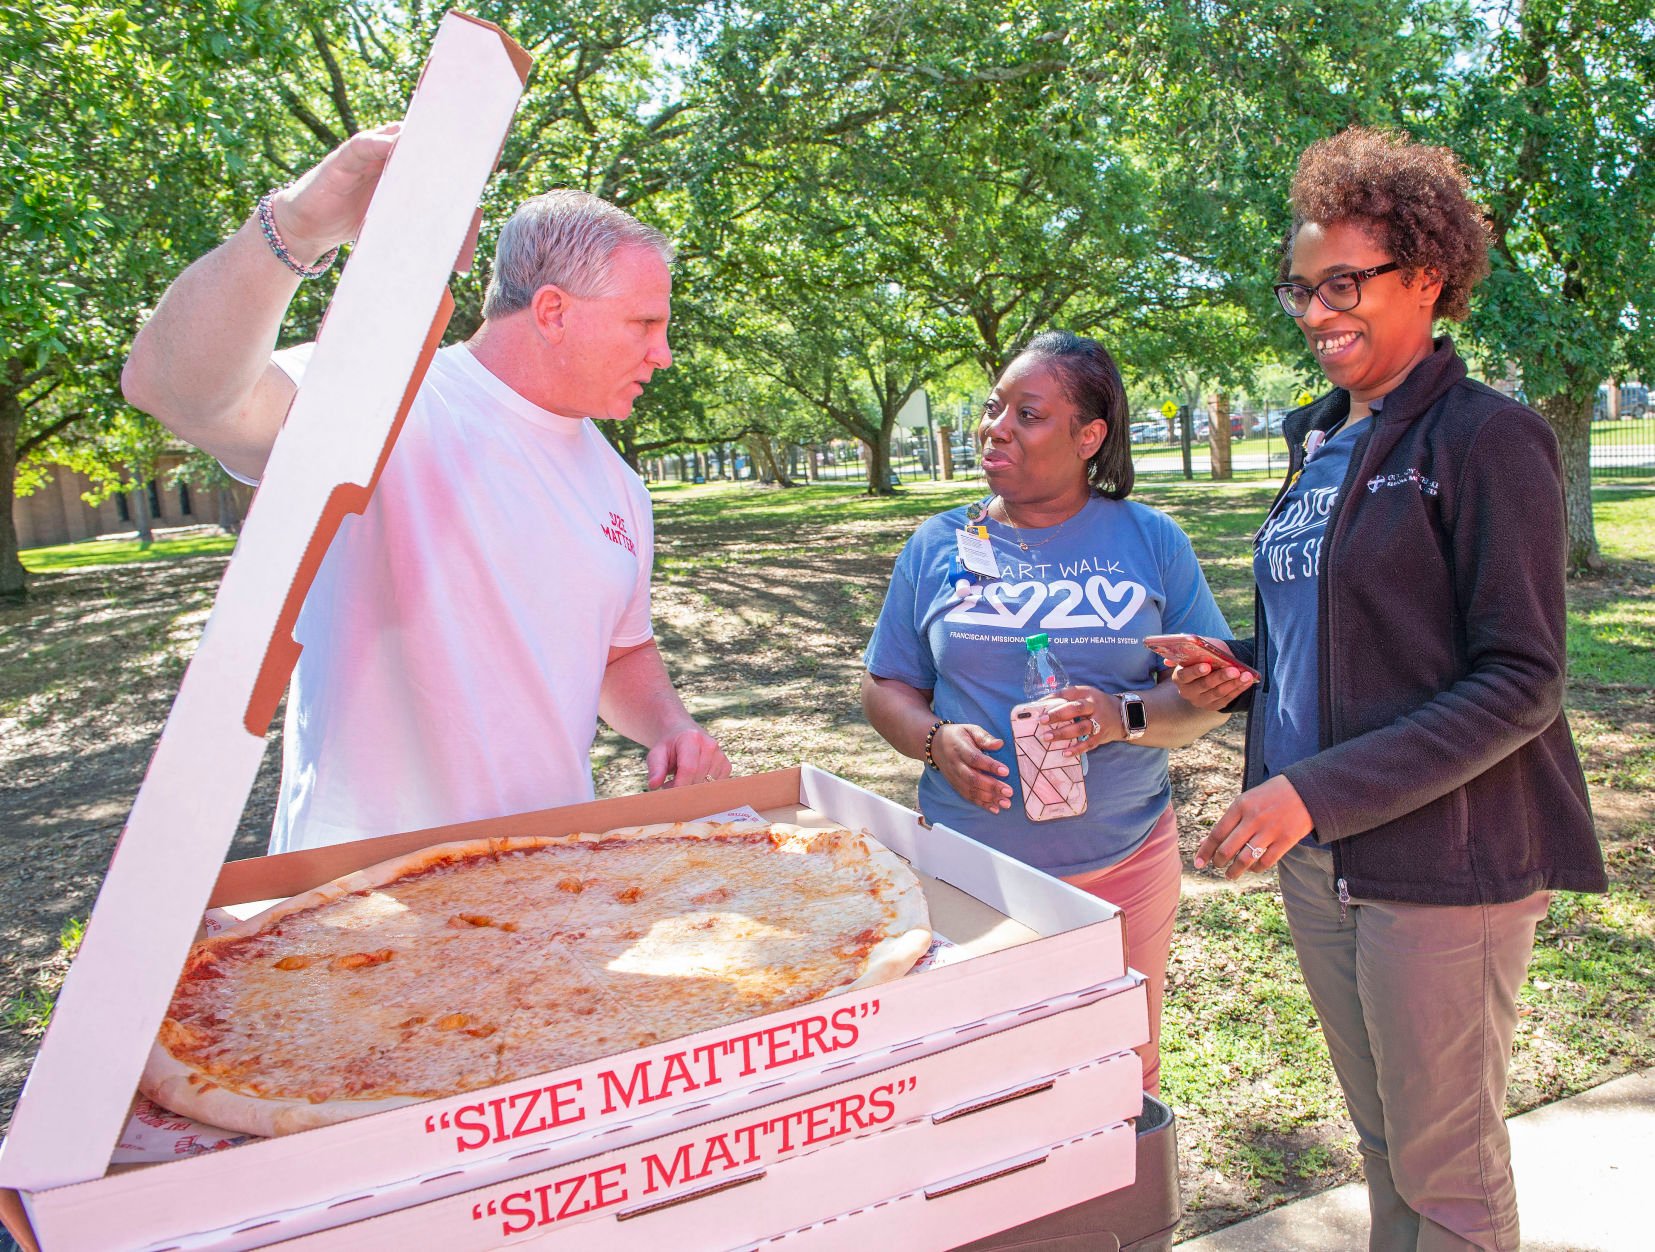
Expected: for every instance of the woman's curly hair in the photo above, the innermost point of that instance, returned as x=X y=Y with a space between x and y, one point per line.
x=1410 y=196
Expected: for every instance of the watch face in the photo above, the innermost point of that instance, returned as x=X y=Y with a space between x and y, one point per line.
x=1136 y=720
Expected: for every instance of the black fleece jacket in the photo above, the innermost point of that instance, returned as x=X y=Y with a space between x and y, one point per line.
x=1447 y=773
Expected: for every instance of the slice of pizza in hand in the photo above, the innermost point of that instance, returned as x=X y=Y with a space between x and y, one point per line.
x=479 y=962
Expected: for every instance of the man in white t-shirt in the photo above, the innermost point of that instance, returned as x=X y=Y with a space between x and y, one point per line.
x=466 y=632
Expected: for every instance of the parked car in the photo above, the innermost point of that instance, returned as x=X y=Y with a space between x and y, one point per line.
x=1204 y=428
x=1271 y=422
x=1634 y=402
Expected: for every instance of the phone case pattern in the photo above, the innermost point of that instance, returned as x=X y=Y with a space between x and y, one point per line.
x=1053 y=784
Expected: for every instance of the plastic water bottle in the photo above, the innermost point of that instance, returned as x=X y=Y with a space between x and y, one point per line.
x=1044 y=676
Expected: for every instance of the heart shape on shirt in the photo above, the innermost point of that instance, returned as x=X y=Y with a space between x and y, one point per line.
x=1099 y=589
x=998 y=593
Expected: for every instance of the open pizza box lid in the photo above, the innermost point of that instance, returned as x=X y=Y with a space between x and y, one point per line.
x=383 y=326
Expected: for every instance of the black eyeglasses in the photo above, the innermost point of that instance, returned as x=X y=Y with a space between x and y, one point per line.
x=1338 y=292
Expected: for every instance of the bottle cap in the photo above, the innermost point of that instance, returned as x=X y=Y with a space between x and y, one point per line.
x=1036 y=642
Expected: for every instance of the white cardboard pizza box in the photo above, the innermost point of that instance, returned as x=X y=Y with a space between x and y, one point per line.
x=944 y=1213
x=1035 y=1092
x=384 y=323
x=1033 y=939
x=1039 y=948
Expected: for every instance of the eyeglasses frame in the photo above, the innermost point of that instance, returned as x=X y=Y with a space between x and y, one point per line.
x=1361 y=276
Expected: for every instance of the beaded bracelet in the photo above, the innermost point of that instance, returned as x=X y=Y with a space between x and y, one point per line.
x=267 y=223
x=930 y=735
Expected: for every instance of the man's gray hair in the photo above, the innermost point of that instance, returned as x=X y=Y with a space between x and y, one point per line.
x=565 y=239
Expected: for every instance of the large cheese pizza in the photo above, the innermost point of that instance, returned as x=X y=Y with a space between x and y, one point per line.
x=475 y=963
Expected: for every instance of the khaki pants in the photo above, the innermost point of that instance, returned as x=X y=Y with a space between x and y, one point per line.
x=1418 y=1004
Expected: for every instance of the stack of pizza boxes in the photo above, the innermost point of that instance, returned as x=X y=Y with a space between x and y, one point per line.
x=927 y=1112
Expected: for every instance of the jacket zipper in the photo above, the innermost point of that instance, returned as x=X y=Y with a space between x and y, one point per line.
x=1324 y=596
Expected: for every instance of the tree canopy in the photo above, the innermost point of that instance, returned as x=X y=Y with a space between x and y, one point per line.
x=866 y=195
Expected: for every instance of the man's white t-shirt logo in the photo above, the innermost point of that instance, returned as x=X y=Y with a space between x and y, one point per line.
x=615 y=532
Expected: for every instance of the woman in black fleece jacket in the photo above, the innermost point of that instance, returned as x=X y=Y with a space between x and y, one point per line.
x=1408 y=764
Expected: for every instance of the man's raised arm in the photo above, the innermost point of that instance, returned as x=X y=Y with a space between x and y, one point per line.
x=201 y=364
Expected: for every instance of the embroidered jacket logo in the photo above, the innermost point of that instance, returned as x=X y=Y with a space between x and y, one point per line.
x=1403 y=479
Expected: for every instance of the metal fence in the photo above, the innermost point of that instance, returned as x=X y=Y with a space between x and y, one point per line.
x=1256 y=445
x=1624 y=448
x=838 y=461
x=1620 y=449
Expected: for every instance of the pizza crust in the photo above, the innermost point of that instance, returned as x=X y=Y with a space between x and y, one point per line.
x=897 y=900
x=176 y=1087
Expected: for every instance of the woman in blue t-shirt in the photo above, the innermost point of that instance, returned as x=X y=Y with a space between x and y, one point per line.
x=1409 y=771
x=1074 y=559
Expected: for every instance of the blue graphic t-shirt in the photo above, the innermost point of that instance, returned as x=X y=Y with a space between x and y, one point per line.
x=1110 y=575
x=1287 y=562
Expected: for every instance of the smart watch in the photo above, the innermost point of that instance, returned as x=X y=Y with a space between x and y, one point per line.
x=1134 y=720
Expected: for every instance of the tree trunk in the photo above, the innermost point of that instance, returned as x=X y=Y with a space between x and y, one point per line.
x=764 y=452
x=813 y=465
x=877 y=454
x=629 y=448
x=229 y=511
x=1218 y=437
x=142 y=517
x=1571 y=417
x=14 y=580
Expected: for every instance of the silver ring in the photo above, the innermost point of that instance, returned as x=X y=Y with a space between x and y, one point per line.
x=1096 y=729
x=1257 y=852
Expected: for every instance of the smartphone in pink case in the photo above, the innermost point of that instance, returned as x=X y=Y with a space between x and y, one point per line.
x=1054 y=784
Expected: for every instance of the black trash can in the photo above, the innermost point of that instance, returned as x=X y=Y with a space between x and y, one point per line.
x=1139 y=1218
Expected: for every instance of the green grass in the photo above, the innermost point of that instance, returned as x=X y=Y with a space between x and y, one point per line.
x=1613 y=643
x=1240 y=1049
x=1612 y=646
x=1609 y=435
x=89 y=552
x=1586 y=1008
x=30 y=1010
x=1623 y=513
x=1243 y=1060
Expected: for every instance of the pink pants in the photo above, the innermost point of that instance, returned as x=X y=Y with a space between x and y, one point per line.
x=1145 y=888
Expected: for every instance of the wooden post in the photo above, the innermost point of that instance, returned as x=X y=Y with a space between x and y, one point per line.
x=945 y=451
x=1218 y=437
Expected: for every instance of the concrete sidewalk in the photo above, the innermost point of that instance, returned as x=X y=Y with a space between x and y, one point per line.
x=1585 y=1171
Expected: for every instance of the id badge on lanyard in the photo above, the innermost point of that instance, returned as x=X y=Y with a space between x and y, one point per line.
x=976 y=552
